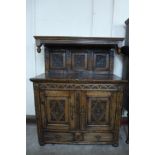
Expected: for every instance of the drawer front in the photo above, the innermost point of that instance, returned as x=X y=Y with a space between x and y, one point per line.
x=79 y=138
x=98 y=137
x=58 y=137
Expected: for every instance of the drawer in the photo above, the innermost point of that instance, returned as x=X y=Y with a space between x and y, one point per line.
x=98 y=137
x=58 y=137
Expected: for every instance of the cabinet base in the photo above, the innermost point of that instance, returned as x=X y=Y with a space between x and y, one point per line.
x=78 y=143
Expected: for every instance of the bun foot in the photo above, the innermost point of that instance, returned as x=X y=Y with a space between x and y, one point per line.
x=41 y=143
x=115 y=145
x=127 y=141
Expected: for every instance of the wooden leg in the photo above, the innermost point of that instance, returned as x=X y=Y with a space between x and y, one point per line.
x=41 y=143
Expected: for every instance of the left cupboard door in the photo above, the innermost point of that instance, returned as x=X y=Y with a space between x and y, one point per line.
x=57 y=110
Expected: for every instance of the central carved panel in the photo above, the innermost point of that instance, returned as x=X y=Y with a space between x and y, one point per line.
x=57 y=108
x=100 y=61
x=79 y=61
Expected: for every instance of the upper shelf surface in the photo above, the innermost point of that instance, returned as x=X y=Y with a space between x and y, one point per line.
x=81 y=77
x=60 y=40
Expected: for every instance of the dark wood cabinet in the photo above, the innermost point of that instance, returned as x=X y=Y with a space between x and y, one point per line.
x=78 y=99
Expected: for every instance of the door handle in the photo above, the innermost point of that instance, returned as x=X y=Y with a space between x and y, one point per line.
x=82 y=110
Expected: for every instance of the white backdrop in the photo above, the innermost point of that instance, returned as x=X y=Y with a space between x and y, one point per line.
x=95 y=18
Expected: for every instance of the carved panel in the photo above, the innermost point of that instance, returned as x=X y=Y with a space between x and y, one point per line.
x=101 y=61
x=57 y=60
x=98 y=110
x=57 y=108
x=70 y=59
x=79 y=61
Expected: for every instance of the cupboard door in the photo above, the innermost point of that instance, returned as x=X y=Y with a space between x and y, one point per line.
x=99 y=107
x=57 y=111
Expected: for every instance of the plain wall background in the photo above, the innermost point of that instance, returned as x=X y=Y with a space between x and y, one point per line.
x=92 y=18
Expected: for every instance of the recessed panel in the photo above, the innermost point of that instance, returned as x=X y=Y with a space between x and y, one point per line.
x=57 y=60
x=79 y=61
x=57 y=110
x=101 y=61
x=98 y=111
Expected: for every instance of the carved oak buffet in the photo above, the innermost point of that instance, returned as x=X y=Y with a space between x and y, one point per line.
x=78 y=99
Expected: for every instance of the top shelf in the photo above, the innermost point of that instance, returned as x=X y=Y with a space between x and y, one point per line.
x=60 y=40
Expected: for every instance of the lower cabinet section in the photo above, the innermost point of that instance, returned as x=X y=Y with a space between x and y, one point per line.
x=78 y=137
x=78 y=116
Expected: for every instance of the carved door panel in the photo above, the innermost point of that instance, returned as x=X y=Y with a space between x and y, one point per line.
x=57 y=110
x=99 y=110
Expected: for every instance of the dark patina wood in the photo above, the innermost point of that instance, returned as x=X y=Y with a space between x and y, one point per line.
x=78 y=99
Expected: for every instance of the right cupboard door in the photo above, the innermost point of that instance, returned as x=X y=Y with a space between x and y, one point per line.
x=98 y=110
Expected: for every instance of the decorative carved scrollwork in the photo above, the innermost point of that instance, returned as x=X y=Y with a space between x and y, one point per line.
x=38 y=49
x=71 y=86
x=38 y=44
x=79 y=61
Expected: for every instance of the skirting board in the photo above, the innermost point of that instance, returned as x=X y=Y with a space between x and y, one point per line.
x=30 y=119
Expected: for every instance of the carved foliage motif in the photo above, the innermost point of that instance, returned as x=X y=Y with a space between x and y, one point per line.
x=57 y=108
x=98 y=110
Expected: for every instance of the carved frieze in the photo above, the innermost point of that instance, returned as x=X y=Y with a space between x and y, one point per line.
x=72 y=86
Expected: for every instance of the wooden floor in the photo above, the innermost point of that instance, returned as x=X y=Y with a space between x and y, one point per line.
x=33 y=148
